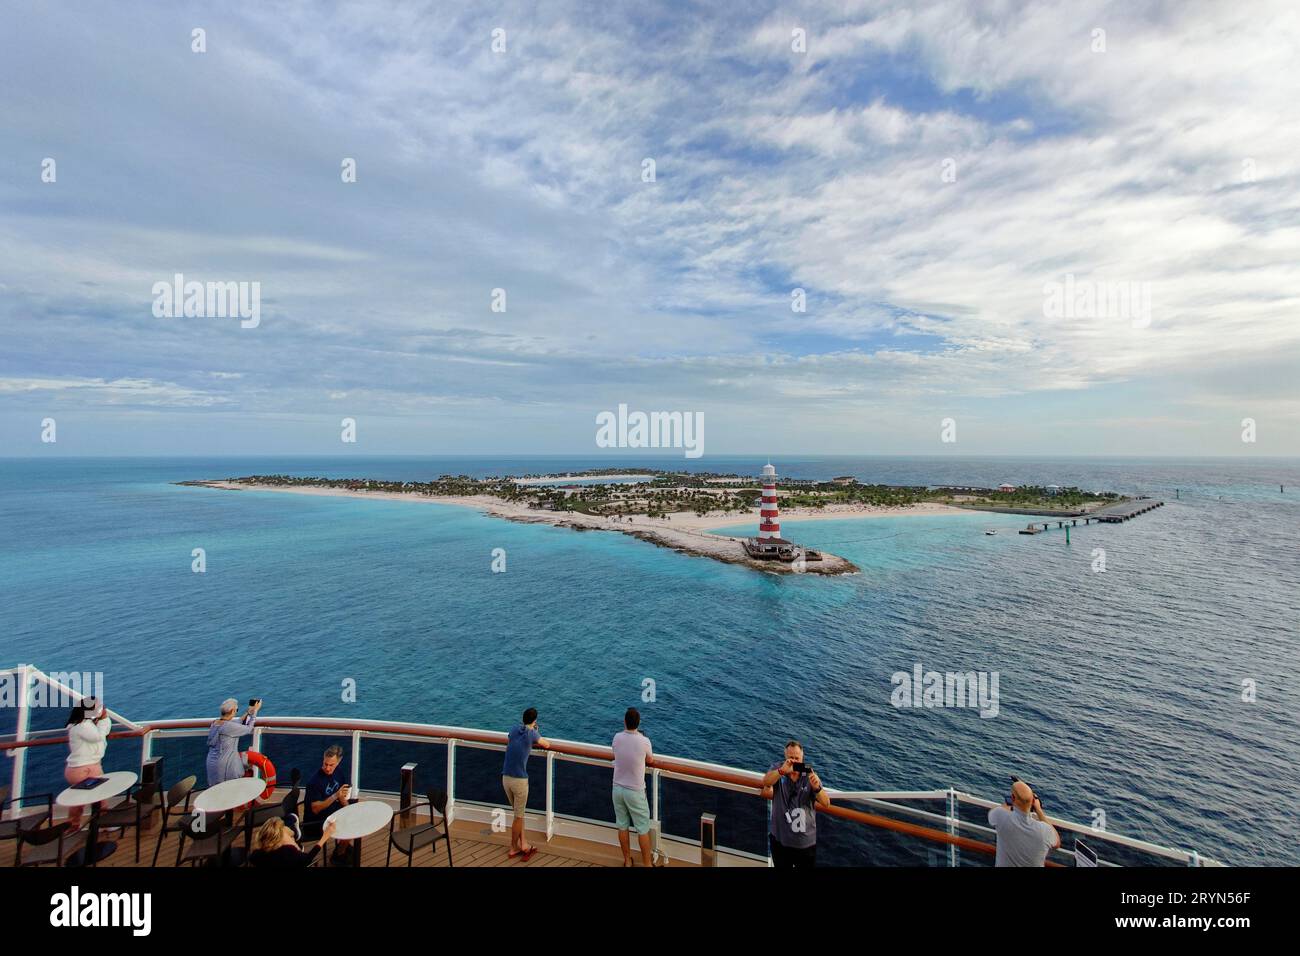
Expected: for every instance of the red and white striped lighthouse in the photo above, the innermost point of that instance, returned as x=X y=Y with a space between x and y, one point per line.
x=768 y=526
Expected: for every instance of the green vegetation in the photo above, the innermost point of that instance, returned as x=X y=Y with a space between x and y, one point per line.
x=702 y=493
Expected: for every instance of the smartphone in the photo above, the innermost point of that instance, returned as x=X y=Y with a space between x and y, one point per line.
x=254 y=701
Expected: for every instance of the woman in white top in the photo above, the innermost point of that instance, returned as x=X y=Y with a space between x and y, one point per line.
x=88 y=728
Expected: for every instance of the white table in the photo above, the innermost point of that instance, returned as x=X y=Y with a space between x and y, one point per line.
x=114 y=784
x=358 y=820
x=229 y=794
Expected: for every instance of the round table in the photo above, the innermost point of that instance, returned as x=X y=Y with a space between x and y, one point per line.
x=358 y=820
x=229 y=794
x=114 y=784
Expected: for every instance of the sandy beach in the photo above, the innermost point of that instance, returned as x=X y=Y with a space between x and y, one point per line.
x=581 y=479
x=682 y=531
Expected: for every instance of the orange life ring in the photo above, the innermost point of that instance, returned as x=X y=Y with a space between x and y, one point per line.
x=259 y=765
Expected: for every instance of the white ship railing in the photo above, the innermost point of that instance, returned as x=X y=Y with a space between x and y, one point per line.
x=946 y=828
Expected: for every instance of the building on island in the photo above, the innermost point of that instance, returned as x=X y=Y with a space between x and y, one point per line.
x=1006 y=487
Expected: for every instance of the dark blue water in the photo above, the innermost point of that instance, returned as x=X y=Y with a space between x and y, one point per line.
x=1120 y=691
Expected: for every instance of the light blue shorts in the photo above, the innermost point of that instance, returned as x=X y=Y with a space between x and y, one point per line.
x=631 y=809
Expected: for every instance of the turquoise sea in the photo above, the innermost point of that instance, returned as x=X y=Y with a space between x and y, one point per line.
x=1120 y=691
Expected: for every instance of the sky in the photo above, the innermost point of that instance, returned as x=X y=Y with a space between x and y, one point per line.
x=927 y=174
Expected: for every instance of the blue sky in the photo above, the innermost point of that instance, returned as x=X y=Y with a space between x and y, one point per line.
x=1168 y=159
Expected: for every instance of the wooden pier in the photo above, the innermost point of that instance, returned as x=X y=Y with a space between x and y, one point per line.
x=1124 y=511
x=1111 y=514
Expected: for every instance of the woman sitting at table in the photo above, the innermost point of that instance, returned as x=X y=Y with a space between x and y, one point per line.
x=277 y=849
x=88 y=728
x=224 y=762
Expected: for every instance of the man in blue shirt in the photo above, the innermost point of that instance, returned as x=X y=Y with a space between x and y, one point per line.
x=327 y=790
x=514 y=777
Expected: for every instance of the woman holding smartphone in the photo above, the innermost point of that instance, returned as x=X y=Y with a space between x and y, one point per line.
x=224 y=762
x=88 y=728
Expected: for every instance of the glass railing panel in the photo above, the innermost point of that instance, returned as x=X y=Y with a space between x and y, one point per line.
x=182 y=756
x=303 y=751
x=741 y=817
x=847 y=843
x=382 y=760
x=478 y=777
x=583 y=790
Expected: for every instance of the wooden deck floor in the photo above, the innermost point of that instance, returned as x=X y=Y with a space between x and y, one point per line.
x=472 y=844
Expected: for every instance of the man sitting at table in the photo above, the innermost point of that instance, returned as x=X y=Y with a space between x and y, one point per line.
x=327 y=791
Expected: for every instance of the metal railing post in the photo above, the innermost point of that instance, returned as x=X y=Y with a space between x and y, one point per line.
x=451 y=781
x=407 y=795
x=952 y=826
x=708 y=839
x=356 y=764
x=18 y=776
x=767 y=838
x=655 y=823
x=550 y=794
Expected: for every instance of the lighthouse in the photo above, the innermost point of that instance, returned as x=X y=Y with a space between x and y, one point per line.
x=769 y=545
x=768 y=525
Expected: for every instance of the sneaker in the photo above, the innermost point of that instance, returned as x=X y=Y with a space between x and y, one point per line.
x=291 y=821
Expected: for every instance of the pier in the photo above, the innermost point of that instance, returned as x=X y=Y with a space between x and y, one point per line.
x=1126 y=510
x=1111 y=514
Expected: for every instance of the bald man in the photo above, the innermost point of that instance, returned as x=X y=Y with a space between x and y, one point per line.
x=1023 y=840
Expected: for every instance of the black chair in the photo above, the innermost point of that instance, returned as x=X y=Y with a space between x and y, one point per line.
x=141 y=802
x=49 y=845
x=255 y=816
x=206 y=845
x=175 y=807
x=30 y=817
x=411 y=838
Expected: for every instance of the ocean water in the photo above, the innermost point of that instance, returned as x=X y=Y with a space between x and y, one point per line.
x=1119 y=691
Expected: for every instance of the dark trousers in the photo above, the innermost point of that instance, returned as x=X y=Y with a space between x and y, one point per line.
x=790 y=857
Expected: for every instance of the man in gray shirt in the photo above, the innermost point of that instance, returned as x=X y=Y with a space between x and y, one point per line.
x=1023 y=840
x=632 y=751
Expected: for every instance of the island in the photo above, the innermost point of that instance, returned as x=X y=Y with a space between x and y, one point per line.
x=680 y=510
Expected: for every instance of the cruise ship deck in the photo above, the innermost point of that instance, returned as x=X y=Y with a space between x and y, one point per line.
x=702 y=814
